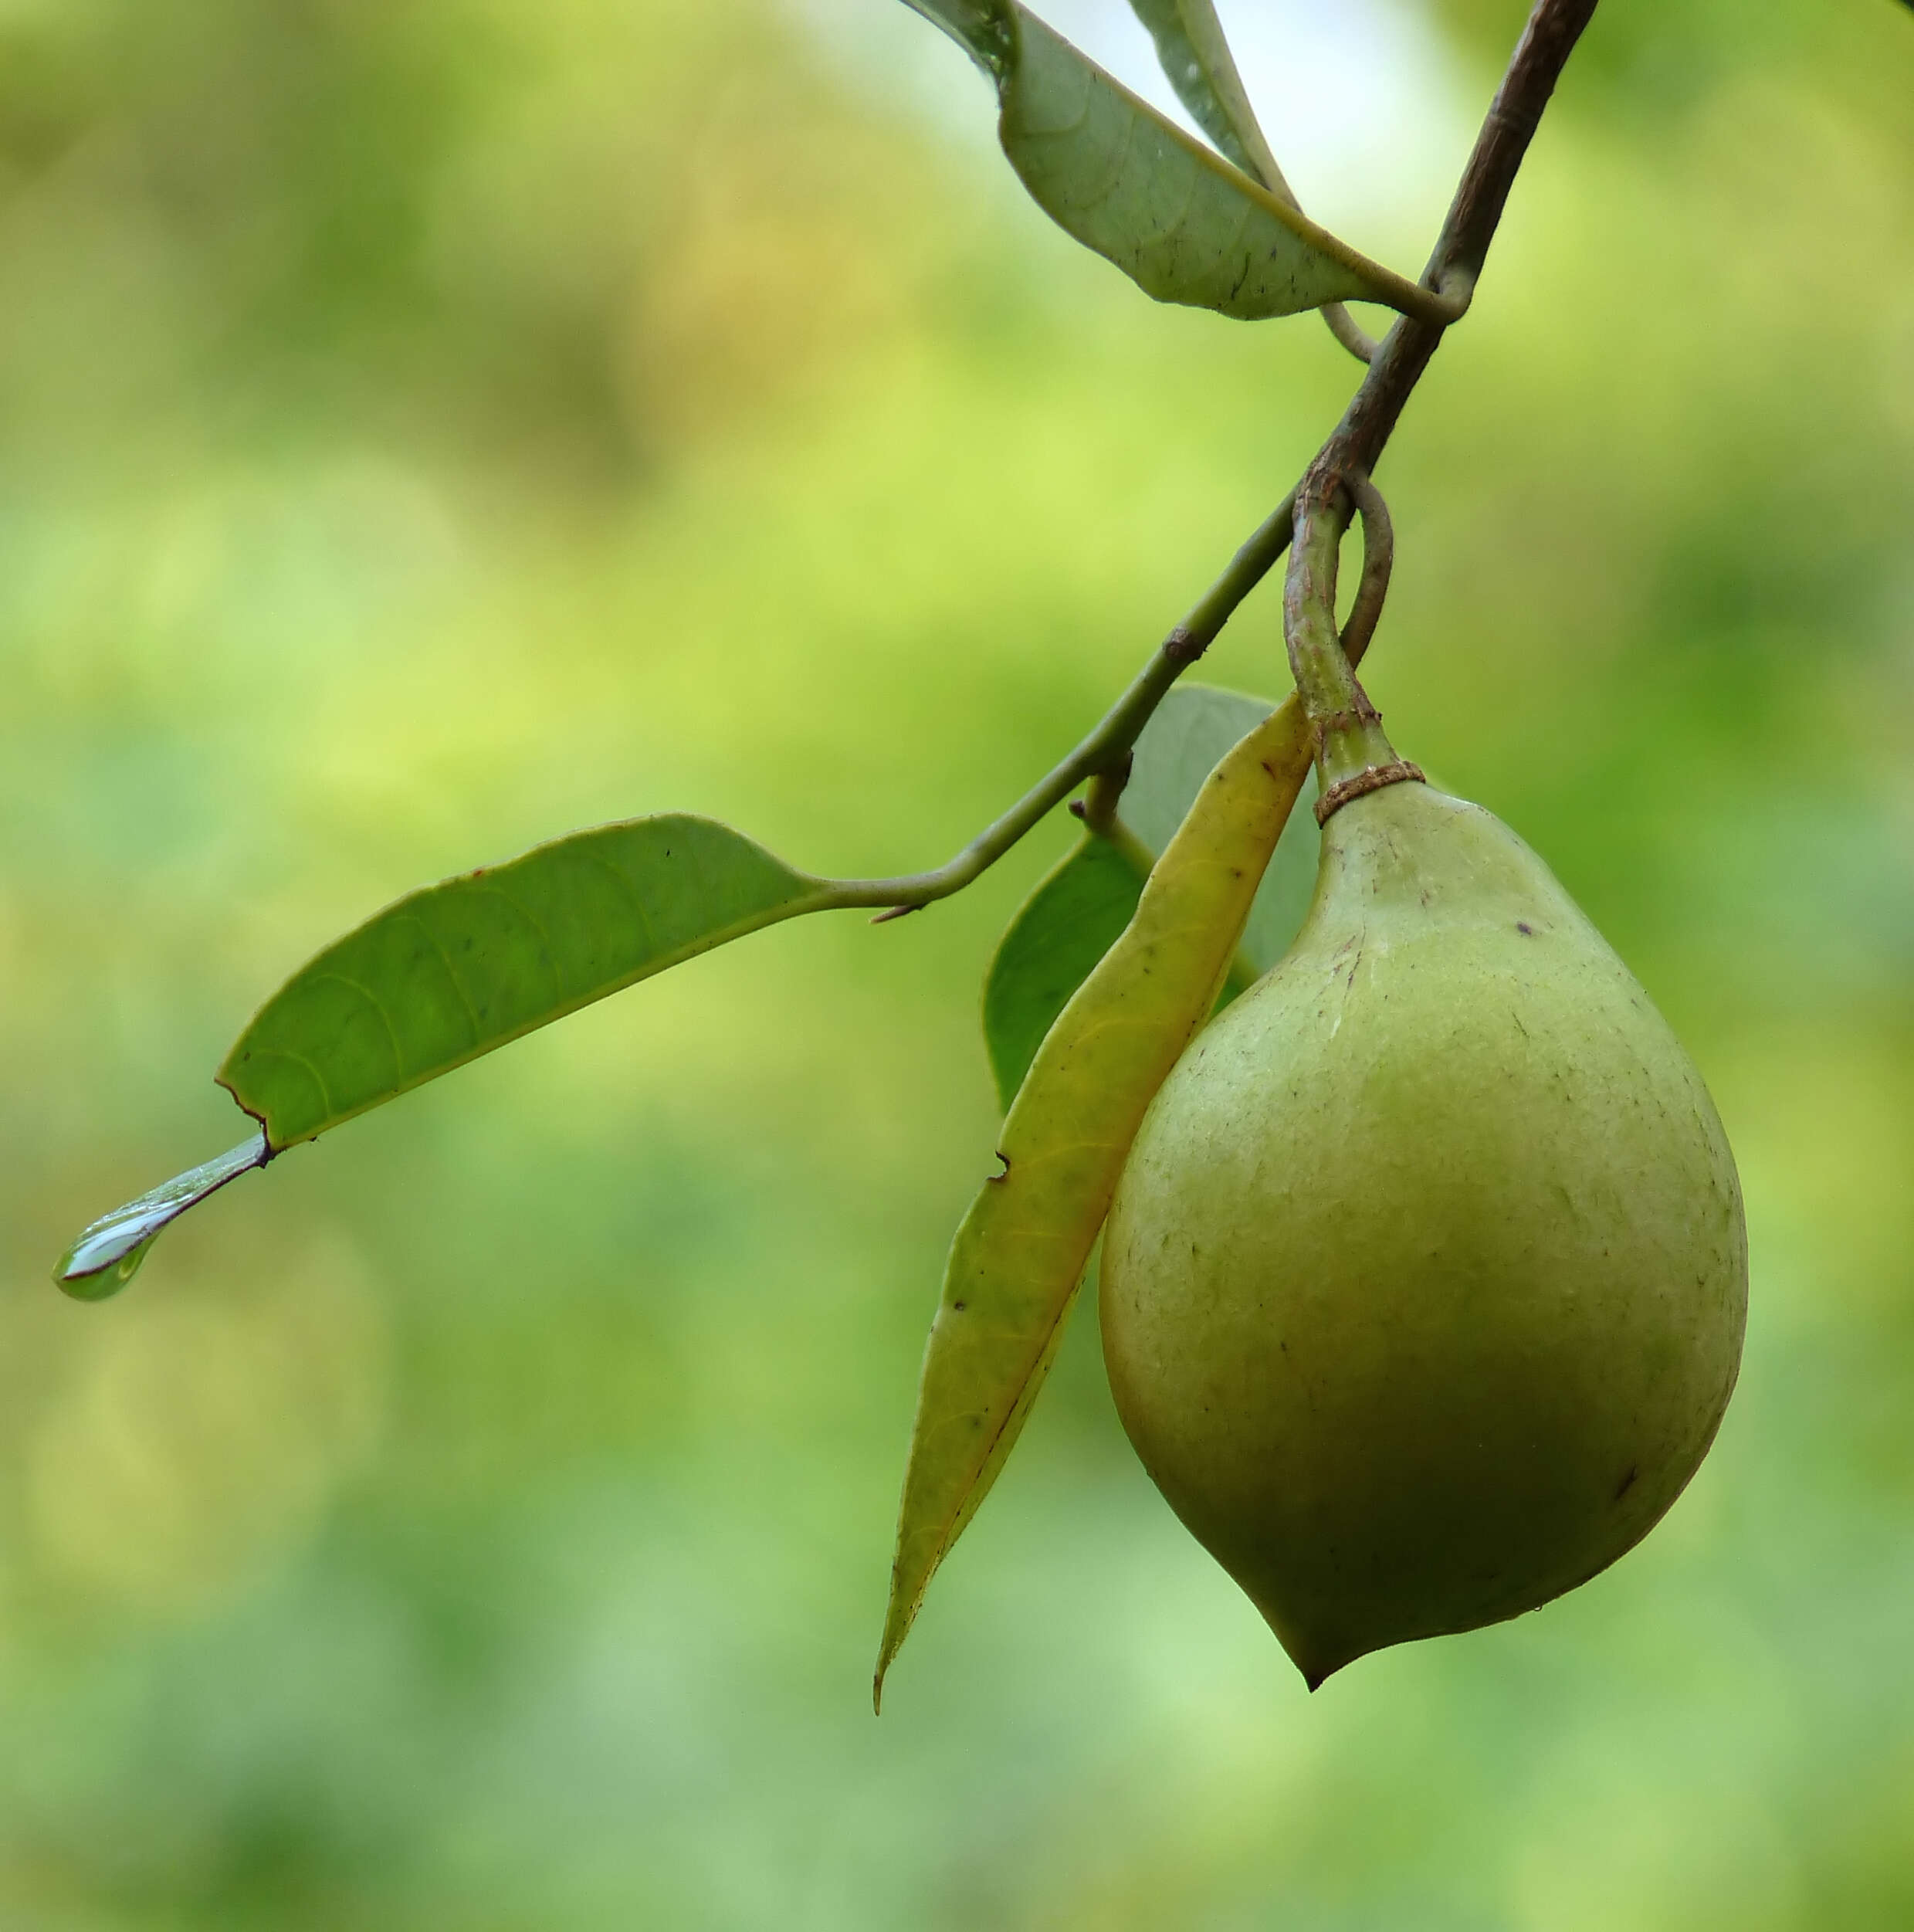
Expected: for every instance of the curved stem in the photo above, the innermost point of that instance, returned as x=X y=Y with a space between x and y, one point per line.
x=1348 y=331
x=1325 y=679
x=1379 y=557
x=1353 y=753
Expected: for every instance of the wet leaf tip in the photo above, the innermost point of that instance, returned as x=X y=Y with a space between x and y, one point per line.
x=108 y=1254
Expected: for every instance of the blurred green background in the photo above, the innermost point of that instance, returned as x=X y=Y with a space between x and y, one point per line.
x=428 y=425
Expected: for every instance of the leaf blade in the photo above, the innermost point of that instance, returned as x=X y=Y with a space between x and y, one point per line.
x=1185 y=224
x=1019 y=1255
x=1183 y=67
x=453 y=970
x=1079 y=910
x=984 y=28
x=1192 y=729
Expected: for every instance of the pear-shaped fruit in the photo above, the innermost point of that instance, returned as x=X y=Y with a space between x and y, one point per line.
x=1423 y=1287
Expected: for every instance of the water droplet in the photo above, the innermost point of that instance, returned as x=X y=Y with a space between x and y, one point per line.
x=100 y=1283
x=108 y=1255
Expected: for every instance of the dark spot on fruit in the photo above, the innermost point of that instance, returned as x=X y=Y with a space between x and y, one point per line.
x=1523 y=928
x=1628 y=1482
x=959 y=1306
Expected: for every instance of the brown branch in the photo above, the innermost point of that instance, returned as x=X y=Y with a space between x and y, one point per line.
x=1481 y=195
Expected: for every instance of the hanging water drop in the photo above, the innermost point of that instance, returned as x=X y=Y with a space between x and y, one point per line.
x=108 y=1255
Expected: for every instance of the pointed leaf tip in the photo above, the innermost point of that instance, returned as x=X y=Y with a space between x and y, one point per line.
x=108 y=1255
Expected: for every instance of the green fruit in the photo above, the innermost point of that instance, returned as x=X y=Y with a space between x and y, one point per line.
x=1423 y=1287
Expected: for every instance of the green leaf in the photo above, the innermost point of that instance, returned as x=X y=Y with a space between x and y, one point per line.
x=1176 y=54
x=1079 y=910
x=1180 y=221
x=108 y=1255
x=1019 y=1256
x=1072 y=918
x=982 y=28
x=452 y=971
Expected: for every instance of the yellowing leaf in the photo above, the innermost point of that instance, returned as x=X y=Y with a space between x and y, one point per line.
x=1080 y=908
x=1021 y=1251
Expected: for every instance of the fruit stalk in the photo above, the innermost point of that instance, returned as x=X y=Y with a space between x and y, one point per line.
x=1353 y=753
